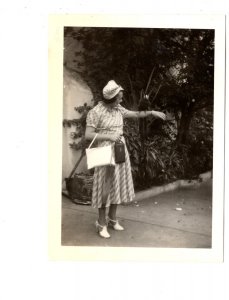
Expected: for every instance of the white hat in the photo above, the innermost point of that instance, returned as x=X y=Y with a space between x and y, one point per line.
x=111 y=90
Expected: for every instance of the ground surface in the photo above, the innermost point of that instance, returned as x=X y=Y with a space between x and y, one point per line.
x=179 y=219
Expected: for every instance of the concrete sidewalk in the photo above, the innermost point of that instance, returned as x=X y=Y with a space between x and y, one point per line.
x=177 y=219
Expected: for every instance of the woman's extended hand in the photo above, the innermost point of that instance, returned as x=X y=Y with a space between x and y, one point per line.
x=158 y=114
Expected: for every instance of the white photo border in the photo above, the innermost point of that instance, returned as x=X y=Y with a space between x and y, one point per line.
x=56 y=34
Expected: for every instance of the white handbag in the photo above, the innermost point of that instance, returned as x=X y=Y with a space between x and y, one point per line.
x=99 y=156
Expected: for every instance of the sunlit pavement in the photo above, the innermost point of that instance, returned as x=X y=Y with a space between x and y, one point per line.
x=179 y=219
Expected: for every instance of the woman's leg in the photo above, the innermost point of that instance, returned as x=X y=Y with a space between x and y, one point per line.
x=112 y=211
x=101 y=223
x=102 y=216
x=112 y=220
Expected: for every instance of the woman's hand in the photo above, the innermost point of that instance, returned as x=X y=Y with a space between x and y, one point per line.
x=158 y=114
x=114 y=137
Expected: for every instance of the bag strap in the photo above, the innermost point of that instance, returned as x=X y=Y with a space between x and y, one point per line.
x=93 y=141
x=96 y=134
x=81 y=157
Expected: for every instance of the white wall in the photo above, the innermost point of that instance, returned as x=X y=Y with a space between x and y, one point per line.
x=76 y=93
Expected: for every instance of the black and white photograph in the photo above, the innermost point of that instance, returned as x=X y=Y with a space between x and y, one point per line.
x=138 y=124
x=114 y=142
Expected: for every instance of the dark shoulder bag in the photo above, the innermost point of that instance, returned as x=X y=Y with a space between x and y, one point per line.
x=119 y=150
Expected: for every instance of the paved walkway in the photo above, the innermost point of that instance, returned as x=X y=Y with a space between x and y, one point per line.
x=176 y=219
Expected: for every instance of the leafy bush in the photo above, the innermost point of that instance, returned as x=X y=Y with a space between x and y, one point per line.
x=200 y=144
x=162 y=160
x=80 y=126
x=155 y=163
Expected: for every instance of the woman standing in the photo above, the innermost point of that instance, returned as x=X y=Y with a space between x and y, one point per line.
x=112 y=185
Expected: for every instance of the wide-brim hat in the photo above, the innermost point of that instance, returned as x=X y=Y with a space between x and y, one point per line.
x=111 y=90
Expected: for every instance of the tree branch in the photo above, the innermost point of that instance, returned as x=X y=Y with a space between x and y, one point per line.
x=149 y=81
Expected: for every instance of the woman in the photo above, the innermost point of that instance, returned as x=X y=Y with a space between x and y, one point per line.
x=112 y=185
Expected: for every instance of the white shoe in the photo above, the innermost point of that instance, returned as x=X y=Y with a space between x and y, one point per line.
x=115 y=224
x=102 y=230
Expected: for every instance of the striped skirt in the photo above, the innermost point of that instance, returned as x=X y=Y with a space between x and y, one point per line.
x=121 y=188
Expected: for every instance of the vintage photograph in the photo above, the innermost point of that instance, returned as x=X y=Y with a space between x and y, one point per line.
x=137 y=137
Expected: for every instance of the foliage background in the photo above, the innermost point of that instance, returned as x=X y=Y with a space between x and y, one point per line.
x=175 y=68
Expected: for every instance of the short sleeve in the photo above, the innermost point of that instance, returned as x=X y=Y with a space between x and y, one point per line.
x=123 y=110
x=92 y=118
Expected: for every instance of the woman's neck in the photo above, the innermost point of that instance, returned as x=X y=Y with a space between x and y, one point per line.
x=110 y=105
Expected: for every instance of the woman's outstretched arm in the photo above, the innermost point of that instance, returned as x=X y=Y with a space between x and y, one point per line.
x=143 y=114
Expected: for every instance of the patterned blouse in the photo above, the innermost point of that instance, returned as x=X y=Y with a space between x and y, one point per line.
x=105 y=119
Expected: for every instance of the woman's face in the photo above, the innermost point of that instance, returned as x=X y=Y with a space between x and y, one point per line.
x=119 y=98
